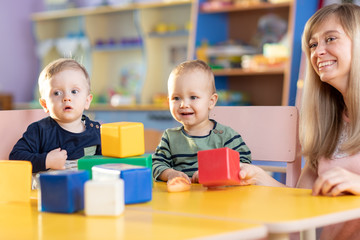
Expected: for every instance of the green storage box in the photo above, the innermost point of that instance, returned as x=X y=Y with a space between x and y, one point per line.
x=87 y=162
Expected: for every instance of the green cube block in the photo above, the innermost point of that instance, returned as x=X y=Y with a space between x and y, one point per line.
x=87 y=162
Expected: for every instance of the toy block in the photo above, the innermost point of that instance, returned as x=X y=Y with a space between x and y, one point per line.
x=219 y=167
x=15 y=181
x=87 y=162
x=62 y=191
x=137 y=180
x=122 y=139
x=104 y=198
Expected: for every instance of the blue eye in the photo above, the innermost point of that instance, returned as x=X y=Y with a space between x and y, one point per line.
x=312 y=45
x=330 y=39
x=57 y=93
x=193 y=97
x=176 y=98
x=75 y=91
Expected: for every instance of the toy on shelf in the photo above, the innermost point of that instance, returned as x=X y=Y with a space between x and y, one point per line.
x=233 y=98
x=216 y=4
x=225 y=54
x=112 y=44
x=127 y=90
x=219 y=167
x=170 y=30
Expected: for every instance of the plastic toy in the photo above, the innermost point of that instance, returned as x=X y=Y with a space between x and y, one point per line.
x=15 y=181
x=87 y=162
x=62 y=191
x=219 y=167
x=104 y=198
x=137 y=180
x=178 y=184
x=122 y=139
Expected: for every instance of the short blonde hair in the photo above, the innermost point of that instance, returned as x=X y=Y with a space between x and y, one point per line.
x=57 y=66
x=322 y=105
x=192 y=65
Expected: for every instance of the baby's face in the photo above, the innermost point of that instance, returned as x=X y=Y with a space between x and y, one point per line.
x=66 y=95
x=191 y=97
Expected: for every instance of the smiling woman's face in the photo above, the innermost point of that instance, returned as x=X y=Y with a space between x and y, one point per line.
x=330 y=51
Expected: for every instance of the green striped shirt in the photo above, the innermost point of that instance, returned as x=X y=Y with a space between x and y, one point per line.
x=178 y=150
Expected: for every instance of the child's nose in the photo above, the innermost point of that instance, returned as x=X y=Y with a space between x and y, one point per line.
x=184 y=104
x=67 y=98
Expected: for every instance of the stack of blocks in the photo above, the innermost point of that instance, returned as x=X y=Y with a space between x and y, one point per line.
x=123 y=148
x=71 y=191
x=219 y=167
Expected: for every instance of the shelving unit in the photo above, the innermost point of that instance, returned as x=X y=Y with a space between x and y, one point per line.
x=118 y=44
x=265 y=86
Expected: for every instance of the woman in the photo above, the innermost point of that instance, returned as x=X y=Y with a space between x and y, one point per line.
x=330 y=111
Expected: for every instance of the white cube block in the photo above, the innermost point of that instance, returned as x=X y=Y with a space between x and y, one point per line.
x=104 y=198
x=110 y=171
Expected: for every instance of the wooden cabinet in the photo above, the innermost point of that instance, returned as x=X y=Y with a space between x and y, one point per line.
x=264 y=86
x=127 y=49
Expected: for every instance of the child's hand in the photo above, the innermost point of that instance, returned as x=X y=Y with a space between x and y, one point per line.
x=170 y=173
x=56 y=159
x=195 y=177
x=174 y=174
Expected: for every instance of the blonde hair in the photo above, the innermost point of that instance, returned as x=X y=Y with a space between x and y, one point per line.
x=192 y=65
x=322 y=105
x=57 y=66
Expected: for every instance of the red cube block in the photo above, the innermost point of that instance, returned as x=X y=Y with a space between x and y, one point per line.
x=219 y=167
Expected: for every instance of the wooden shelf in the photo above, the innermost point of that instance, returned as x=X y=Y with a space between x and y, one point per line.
x=247 y=72
x=238 y=8
x=169 y=34
x=111 y=48
x=76 y=12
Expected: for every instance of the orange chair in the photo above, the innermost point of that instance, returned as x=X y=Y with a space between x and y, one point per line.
x=13 y=124
x=271 y=133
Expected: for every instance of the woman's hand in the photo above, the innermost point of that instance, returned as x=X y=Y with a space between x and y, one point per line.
x=248 y=174
x=195 y=177
x=337 y=181
x=251 y=174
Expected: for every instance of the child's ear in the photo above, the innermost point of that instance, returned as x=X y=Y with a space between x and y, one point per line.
x=88 y=101
x=43 y=104
x=213 y=100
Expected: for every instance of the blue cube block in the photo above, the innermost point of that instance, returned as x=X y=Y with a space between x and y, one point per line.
x=62 y=191
x=137 y=180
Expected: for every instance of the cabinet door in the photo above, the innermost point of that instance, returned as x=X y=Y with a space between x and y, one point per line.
x=166 y=33
x=117 y=55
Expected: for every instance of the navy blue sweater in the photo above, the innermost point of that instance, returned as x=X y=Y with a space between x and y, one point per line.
x=45 y=135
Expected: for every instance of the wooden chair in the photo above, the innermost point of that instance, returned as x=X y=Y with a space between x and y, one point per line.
x=13 y=124
x=271 y=133
x=152 y=139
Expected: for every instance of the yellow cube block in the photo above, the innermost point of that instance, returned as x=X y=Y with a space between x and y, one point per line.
x=122 y=139
x=15 y=181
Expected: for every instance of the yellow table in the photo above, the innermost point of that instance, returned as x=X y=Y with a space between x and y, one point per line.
x=282 y=210
x=23 y=221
